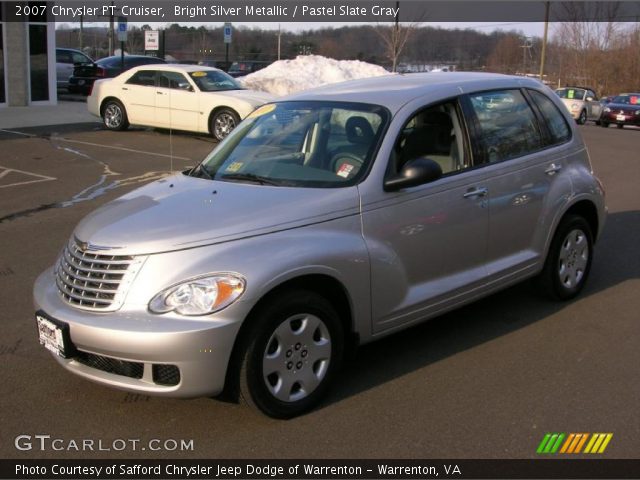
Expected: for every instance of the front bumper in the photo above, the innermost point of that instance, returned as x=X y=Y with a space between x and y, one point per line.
x=620 y=119
x=199 y=348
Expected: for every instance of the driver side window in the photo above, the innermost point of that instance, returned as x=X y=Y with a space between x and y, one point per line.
x=435 y=133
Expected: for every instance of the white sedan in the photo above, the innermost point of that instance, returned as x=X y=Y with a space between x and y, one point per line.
x=182 y=97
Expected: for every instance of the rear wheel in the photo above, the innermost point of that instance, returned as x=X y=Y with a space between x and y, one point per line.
x=582 y=119
x=620 y=125
x=114 y=116
x=569 y=259
x=222 y=122
x=604 y=124
x=291 y=354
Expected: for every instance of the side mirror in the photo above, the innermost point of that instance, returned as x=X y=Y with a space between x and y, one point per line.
x=589 y=99
x=413 y=173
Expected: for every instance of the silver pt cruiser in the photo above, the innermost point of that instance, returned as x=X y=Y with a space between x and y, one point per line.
x=328 y=219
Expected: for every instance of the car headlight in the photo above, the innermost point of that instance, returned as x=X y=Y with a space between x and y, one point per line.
x=637 y=112
x=575 y=106
x=199 y=296
x=607 y=109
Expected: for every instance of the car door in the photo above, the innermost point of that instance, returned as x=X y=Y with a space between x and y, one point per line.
x=525 y=169
x=594 y=108
x=138 y=94
x=427 y=243
x=176 y=102
x=64 y=67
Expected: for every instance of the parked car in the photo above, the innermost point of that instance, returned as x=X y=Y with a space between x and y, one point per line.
x=84 y=75
x=582 y=103
x=622 y=110
x=245 y=67
x=66 y=60
x=182 y=97
x=328 y=219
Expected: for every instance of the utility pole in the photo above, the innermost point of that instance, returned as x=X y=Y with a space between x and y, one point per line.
x=526 y=47
x=396 y=38
x=111 y=39
x=544 y=40
x=279 y=41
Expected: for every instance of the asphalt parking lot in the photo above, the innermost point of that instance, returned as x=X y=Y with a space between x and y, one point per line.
x=486 y=381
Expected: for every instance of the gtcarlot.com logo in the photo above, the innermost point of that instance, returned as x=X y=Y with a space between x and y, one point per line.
x=573 y=443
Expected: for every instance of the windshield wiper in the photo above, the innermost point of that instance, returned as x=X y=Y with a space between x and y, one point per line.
x=250 y=177
x=200 y=171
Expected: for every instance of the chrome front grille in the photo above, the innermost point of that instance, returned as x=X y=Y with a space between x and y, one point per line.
x=94 y=281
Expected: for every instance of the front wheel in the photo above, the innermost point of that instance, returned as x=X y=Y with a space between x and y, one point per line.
x=569 y=259
x=291 y=354
x=222 y=122
x=604 y=124
x=620 y=125
x=114 y=116
x=582 y=119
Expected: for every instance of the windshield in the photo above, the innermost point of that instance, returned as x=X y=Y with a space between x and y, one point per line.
x=571 y=93
x=301 y=144
x=214 y=81
x=627 y=99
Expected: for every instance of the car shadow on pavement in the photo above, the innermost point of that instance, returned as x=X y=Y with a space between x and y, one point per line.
x=616 y=261
x=46 y=131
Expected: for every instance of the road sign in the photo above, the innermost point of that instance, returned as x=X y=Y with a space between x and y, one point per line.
x=122 y=29
x=227 y=32
x=152 y=40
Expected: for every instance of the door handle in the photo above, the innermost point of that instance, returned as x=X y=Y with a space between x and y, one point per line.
x=125 y=88
x=553 y=169
x=476 y=192
x=159 y=93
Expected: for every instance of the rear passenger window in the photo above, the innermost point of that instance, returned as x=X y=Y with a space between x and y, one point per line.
x=143 y=77
x=508 y=126
x=556 y=124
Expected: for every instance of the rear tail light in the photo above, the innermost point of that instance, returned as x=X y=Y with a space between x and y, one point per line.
x=101 y=72
x=91 y=88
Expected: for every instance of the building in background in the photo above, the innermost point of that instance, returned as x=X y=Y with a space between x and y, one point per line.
x=27 y=57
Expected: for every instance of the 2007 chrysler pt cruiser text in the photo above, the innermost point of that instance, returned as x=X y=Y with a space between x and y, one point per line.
x=331 y=218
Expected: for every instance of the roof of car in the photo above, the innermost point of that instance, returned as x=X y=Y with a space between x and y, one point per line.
x=395 y=90
x=182 y=67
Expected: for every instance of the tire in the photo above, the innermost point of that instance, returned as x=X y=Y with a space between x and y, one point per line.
x=569 y=259
x=291 y=354
x=582 y=119
x=222 y=122
x=114 y=116
x=620 y=125
x=604 y=124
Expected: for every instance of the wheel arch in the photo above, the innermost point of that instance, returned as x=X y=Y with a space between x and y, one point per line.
x=107 y=99
x=325 y=285
x=587 y=210
x=213 y=112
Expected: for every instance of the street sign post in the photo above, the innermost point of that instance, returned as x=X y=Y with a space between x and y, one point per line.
x=152 y=40
x=227 y=40
x=122 y=36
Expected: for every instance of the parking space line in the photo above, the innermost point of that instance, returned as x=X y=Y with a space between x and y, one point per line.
x=6 y=171
x=63 y=139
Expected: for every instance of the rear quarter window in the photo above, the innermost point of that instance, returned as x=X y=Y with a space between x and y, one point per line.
x=557 y=126
x=507 y=125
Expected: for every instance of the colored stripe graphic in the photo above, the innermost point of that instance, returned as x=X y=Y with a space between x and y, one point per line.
x=573 y=443
x=598 y=443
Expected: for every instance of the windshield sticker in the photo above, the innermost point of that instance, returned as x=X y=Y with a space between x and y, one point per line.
x=263 y=110
x=199 y=74
x=344 y=170
x=634 y=100
x=234 y=167
x=570 y=94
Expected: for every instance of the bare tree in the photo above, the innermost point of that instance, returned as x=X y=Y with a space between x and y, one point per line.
x=394 y=38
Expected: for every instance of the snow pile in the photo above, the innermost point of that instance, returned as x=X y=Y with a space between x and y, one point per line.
x=308 y=71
